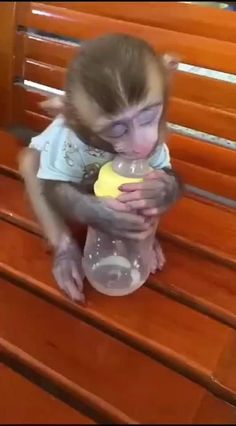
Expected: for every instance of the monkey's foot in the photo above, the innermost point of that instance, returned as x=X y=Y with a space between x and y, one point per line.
x=158 y=259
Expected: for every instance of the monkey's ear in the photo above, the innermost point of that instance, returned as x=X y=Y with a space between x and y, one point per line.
x=171 y=61
x=53 y=105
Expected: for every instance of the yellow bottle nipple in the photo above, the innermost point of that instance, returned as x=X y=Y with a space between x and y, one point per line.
x=109 y=181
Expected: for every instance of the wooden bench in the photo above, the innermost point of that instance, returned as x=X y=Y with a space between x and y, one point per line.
x=165 y=354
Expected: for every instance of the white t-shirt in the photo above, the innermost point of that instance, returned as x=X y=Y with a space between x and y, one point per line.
x=66 y=158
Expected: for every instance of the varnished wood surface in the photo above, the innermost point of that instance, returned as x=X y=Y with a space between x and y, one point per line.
x=201 y=51
x=7 y=38
x=176 y=16
x=165 y=354
x=183 y=109
x=23 y=402
x=162 y=326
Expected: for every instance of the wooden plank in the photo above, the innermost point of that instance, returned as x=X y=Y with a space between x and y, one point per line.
x=202 y=118
x=206 y=225
x=207 y=91
x=183 y=112
x=214 y=411
x=87 y=356
x=207 y=22
x=44 y=61
x=9 y=150
x=226 y=368
x=211 y=288
x=48 y=51
x=203 y=154
x=48 y=75
x=168 y=334
x=29 y=403
x=200 y=51
x=205 y=179
x=7 y=39
x=36 y=122
x=215 y=225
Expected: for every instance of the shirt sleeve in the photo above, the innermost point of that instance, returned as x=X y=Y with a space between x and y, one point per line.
x=161 y=158
x=38 y=142
x=60 y=157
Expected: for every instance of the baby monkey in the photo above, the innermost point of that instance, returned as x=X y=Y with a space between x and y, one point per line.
x=115 y=101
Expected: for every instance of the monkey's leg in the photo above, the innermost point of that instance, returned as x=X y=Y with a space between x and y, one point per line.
x=158 y=259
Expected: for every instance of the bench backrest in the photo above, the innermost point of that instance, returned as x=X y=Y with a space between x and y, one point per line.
x=202 y=111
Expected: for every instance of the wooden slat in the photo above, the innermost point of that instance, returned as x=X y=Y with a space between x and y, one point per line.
x=23 y=402
x=176 y=331
x=86 y=356
x=215 y=411
x=192 y=49
x=203 y=118
x=203 y=154
x=203 y=224
x=211 y=287
x=207 y=91
x=84 y=400
x=199 y=116
x=226 y=368
x=207 y=22
x=212 y=225
x=199 y=89
x=9 y=150
x=7 y=36
x=211 y=181
x=37 y=122
x=48 y=51
x=160 y=331
x=52 y=76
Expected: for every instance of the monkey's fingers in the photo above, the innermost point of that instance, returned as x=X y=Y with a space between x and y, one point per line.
x=137 y=236
x=117 y=205
x=150 y=212
x=66 y=283
x=143 y=204
x=79 y=283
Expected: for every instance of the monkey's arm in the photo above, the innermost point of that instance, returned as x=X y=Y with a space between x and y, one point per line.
x=52 y=223
x=107 y=215
x=67 y=266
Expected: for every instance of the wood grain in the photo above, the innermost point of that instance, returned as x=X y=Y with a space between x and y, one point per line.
x=91 y=358
x=7 y=39
x=30 y=404
x=192 y=49
x=204 y=21
x=195 y=103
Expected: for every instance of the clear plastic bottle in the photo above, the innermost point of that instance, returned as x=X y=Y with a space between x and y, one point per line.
x=113 y=266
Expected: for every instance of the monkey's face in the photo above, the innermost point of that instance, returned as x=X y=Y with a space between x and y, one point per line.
x=134 y=131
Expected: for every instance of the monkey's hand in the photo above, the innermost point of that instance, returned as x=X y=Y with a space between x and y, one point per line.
x=108 y=215
x=155 y=195
x=115 y=218
x=67 y=269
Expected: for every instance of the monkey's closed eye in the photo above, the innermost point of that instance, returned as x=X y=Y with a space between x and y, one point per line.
x=117 y=131
x=149 y=115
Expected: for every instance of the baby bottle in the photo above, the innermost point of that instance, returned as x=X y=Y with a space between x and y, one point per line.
x=117 y=267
